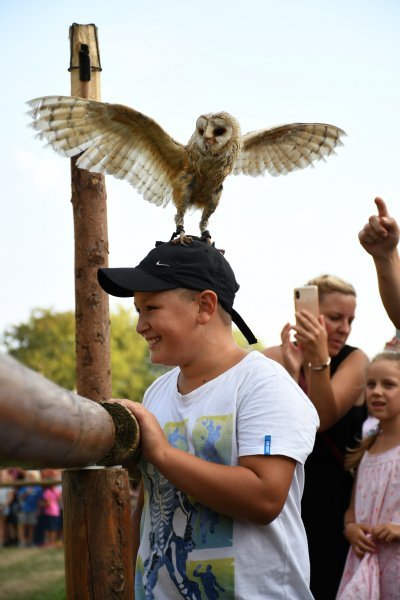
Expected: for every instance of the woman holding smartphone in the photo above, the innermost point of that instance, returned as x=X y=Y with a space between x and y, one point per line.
x=332 y=374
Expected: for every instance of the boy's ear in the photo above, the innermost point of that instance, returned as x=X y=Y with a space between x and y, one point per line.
x=208 y=304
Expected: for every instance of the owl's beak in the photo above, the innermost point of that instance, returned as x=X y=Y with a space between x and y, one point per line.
x=208 y=142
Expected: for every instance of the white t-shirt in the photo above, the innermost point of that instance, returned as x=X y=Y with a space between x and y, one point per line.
x=189 y=551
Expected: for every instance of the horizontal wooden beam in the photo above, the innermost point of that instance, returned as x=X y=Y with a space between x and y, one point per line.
x=43 y=425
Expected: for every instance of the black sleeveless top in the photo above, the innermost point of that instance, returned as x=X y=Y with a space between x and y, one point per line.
x=327 y=494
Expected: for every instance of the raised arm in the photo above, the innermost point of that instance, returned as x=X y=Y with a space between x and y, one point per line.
x=334 y=396
x=380 y=237
x=254 y=491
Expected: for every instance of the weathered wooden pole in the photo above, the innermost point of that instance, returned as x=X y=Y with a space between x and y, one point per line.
x=99 y=552
x=89 y=202
x=98 y=546
x=43 y=425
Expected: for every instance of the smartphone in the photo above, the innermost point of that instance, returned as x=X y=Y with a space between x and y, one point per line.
x=306 y=298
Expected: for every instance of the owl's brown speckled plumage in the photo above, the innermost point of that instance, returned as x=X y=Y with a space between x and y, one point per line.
x=121 y=141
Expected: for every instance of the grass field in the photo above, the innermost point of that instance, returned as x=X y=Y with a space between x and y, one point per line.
x=32 y=574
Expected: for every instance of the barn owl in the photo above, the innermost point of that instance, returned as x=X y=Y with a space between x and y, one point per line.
x=123 y=142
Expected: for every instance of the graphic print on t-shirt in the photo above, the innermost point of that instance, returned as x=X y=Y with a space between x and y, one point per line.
x=182 y=531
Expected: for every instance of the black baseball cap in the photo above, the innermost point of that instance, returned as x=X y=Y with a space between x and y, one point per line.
x=195 y=266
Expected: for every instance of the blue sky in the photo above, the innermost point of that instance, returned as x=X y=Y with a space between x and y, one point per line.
x=265 y=62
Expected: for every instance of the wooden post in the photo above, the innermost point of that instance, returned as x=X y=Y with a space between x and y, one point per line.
x=85 y=67
x=97 y=530
x=89 y=201
x=43 y=425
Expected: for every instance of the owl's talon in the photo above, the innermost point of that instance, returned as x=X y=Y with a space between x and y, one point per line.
x=186 y=240
x=179 y=237
x=206 y=237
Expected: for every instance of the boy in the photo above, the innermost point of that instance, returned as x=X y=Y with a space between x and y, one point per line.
x=224 y=437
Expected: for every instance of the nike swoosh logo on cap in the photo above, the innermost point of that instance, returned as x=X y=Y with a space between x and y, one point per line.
x=159 y=264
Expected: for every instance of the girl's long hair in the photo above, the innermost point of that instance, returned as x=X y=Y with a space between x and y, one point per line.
x=354 y=455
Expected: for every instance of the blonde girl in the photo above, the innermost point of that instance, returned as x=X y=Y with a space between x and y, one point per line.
x=372 y=521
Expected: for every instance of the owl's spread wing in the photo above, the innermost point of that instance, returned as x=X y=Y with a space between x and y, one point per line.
x=283 y=149
x=114 y=139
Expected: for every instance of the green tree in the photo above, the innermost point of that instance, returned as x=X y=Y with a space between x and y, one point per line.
x=46 y=343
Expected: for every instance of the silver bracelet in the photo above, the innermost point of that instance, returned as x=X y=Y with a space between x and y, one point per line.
x=320 y=367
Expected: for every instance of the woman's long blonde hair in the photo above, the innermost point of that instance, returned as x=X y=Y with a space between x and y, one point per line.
x=354 y=455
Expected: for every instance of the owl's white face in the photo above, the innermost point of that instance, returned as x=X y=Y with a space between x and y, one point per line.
x=213 y=132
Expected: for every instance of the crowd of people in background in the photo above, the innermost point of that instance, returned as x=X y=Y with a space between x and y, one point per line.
x=30 y=508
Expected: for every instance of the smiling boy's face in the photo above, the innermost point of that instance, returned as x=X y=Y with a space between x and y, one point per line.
x=168 y=321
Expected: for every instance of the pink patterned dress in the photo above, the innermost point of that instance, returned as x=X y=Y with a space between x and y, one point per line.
x=376 y=576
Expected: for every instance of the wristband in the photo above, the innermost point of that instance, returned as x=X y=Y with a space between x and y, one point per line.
x=320 y=367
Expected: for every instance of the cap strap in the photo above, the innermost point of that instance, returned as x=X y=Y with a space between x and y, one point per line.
x=244 y=328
